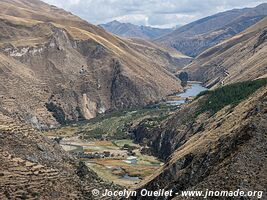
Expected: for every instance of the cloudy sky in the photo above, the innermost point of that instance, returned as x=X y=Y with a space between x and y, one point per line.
x=156 y=13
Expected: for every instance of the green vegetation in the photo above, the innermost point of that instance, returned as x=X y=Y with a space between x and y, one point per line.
x=183 y=76
x=228 y=95
x=120 y=135
x=129 y=147
x=121 y=143
x=116 y=126
x=154 y=122
x=95 y=133
x=80 y=115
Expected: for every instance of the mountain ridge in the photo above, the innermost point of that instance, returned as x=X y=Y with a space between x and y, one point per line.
x=134 y=31
x=207 y=151
x=196 y=37
x=239 y=58
x=82 y=69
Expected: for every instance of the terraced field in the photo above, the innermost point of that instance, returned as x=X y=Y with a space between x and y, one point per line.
x=110 y=134
x=105 y=142
x=119 y=166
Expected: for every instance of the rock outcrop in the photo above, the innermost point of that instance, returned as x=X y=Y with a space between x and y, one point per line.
x=222 y=152
x=56 y=67
x=35 y=167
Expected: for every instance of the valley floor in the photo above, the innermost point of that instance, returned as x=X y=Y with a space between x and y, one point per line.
x=106 y=145
x=111 y=160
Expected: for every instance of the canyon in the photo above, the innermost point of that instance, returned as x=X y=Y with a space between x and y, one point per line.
x=57 y=68
x=84 y=109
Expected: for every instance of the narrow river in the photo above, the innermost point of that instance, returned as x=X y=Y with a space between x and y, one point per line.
x=110 y=159
x=193 y=90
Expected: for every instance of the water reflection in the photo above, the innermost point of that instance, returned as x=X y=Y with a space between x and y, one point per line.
x=193 y=91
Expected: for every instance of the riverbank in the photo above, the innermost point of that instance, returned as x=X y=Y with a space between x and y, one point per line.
x=105 y=143
x=119 y=161
x=191 y=90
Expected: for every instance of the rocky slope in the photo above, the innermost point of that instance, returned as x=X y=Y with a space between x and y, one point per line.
x=196 y=37
x=223 y=151
x=172 y=60
x=57 y=68
x=242 y=57
x=34 y=167
x=133 y=31
x=162 y=139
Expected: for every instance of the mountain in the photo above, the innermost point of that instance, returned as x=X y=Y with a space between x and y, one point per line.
x=242 y=57
x=196 y=37
x=134 y=31
x=172 y=60
x=56 y=68
x=35 y=167
x=206 y=143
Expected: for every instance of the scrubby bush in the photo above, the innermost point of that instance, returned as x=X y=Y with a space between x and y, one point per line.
x=96 y=133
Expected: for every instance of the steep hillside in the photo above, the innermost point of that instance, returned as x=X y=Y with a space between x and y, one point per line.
x=133 y=31
x=34 y=167
x=55 y=67
x=220 y=150
x=169 y=58
x=242 y=57
x=196 y=37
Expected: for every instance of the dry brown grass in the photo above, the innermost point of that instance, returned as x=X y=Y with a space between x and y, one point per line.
x=34 y=25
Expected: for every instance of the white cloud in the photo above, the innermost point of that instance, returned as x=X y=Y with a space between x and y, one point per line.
x=158 y=13
x=140 y=19
x=63 y=3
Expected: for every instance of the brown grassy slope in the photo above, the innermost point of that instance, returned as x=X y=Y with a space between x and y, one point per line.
x=173 y=59
x=242 y=57
x=229 y=154
x=75 y=64
x=34 y=167
x=194 y=38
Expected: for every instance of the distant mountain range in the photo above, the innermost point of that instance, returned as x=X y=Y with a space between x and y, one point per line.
x=134 y=31
x=56 y=69
x=196 y=37
x=240 y=58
